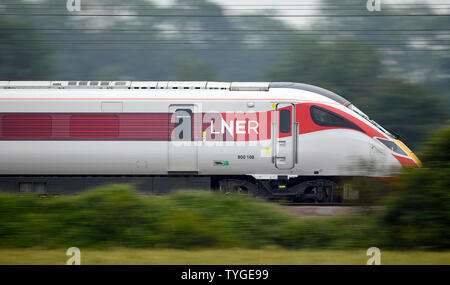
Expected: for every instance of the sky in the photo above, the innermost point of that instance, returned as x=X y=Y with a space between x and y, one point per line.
x=297 y=22
x=293 y=21
x=283 y=6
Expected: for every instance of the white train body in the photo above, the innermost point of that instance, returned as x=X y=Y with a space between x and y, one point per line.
x=259 y=130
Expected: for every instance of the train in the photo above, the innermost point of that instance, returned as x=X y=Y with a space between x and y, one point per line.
x=270 y=139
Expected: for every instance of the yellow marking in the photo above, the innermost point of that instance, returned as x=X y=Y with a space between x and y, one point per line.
x=273 y=105
x=268 y=151
x=408 y=151
x=204 y=134
x=282 y=186
x=415 y=158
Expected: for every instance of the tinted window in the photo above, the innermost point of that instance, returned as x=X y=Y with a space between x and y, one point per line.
x=392 y=146
x=27 y=126
x=94 y=126
x=183 y=124
x=285 y=121
x=327 y=118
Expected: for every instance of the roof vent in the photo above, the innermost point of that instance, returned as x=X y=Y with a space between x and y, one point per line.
x=218 y=85
x=173 y=85
x=249 y=86
x=121 y=84
x=186 y=85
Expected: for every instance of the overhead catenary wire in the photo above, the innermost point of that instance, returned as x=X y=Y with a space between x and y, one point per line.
x=394 y=46
x=228 y=30
x=369 y=34
x=193 y=8
x=120 y=4
x=374 y=37
x=370 y=15
x=278 y=42
x=376 y=32
x=236 y=49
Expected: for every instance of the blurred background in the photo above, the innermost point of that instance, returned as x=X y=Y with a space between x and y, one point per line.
x=393 y=64
x=397 y=57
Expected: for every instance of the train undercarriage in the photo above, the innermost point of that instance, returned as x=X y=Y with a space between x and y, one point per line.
x=300 y=189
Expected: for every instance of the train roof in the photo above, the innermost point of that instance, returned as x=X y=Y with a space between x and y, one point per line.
x=210 y=85
x=311 y=88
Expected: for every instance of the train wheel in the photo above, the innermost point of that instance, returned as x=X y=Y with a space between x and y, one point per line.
x=318 y=191
x=234 y=186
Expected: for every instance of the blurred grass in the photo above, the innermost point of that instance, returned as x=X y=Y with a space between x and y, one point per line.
x=117 y=216
x=266 y=256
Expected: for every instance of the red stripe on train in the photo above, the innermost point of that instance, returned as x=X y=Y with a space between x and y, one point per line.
x=158 y=126
x=307 y=125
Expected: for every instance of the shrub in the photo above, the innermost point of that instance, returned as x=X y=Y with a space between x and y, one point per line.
x=116 y=215
x=418 y=211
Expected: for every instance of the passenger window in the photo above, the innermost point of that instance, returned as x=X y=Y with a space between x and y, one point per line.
x=27 y=126
x=285 y=121
x=327 y=118
x=94 y=126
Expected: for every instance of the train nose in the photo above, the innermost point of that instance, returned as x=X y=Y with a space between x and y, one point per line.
x=413 y=160
x=416 y=159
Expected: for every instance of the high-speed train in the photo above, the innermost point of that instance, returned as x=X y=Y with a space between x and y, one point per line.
x=270 y=139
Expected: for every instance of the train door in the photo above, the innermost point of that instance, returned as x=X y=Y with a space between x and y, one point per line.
x=285 y=137
x=182 y=149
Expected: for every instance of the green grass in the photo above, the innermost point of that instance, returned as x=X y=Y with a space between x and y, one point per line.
x=268 y=256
